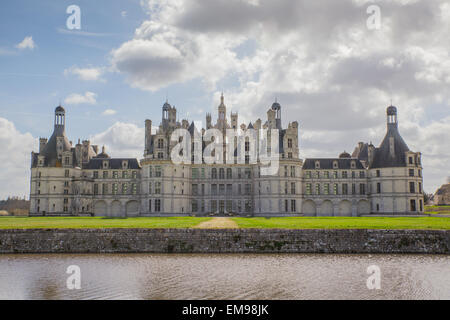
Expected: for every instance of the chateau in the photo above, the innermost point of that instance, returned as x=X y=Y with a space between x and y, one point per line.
x=69 y=179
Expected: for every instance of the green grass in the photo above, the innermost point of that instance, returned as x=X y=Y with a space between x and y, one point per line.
x=345 y=223
x=97 y=222
x=437 y=209
x=189 y=222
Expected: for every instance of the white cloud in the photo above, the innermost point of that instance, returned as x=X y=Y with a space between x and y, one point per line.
x=16 y=160
x=109 y=112
x=122 y=140
x=86 y=74
x=87 y=98
x=27 y=43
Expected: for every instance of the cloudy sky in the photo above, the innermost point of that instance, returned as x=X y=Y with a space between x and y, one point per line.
x=328 y=69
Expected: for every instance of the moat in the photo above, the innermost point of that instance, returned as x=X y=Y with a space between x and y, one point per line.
x=224 y=276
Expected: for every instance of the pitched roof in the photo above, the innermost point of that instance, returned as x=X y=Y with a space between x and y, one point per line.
x=383 y=158
x=327 y=163
x=115 y=163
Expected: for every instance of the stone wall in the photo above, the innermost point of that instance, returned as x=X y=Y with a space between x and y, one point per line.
x=224 y=241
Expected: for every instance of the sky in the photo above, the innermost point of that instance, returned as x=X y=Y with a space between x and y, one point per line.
x=324 y=61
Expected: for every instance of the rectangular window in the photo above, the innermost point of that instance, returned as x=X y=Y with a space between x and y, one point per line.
x=157 y=205
x=213 y=205
x=411 y=172
x=362 y=188
x=66 y=174
x=289 y=143
x=149 y=205
x=412 y=188
x=124 y=188
x=286 y=205
x=326 y=175
x=150 y=172
x=293 y=206
x=335 y=174
x=115 y=188
x=158 y=171
x=420 y=187
x=104 y=188
x=248 y=188
x=105 y=174
x=308 y=188
x=248 y=173
x=134 y=174
x=335 y=189
x=378 y=173
x=411 y=162
x=115 y=174
x=124 y=175
x=221 y=189
x=292 y=171
x=292 y=187
x=378 y=187
x=229 y=205
x=194 y=173
x=95 y=174
x=134 y=188
x=203 y=173
x=353 y=188
x=203 y=189
x=362 y=174
x=194 y=206
x=413 y=205
x=326 y=188
x=344 y=188
x=229 y=189
x=214 y=189
x=308 y=174
x=229 y=173
x=239 y=173
x=318 y=174
x=149 y=188
x=344 y=174
x=194 y=189
x=317 y=188
x=157 y=187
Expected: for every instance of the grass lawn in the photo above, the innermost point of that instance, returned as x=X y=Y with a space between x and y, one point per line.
x=437 y=209
x=98 y=222
x=345 y=223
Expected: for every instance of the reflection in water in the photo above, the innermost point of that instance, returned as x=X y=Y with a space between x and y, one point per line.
x=223 y=276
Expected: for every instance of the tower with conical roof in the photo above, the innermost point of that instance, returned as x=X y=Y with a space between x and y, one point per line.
x=395 y=173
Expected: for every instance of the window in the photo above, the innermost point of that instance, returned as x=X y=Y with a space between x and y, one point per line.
x=203 y=189
x=362 y=188
x=214 y=189
x=134 y=188
x=378 y=187
x=308 y=174
x=335 y=174
x=248 y=188
x=124 y=175
x=105 y=174
x=248 y=173
x=115 y=174
x=326 y=188
x=134 y=174
x=239 y=173
x=293 y=206
x=160 y=155
x=362 y=174
x=149 y=205
x=286 y=187
x=213 y=205
x=66 y=174
x=157 y=187
x=66 y=161
x=411 y=172
x=285 y=171
x=229 y=173
x=292 y=187
x=413 y=205
x=229 y=189
x=289 y=143
x=160 y=143
x=95 y=189
x=286 y=205
x=344 y=174
x=115 y=188
x=158 y=172
x=317 y=188
x=419 y=173
x=104 y=188
x=353 y=188
x=420 y=187
x=95 y=174
x=412 y=188
x=194 y=189
x=157 y=205
x=194 y=173
x=214 y=173
x=308 y=188
x=203 y=173
x=353 y=174
x=411 y=162
x=194 y=206
x=292 y=171
x=335 y=189
x=378 y=173
x=326 y=175
x=290 y=155
x=124 y=188
x=420 y=205
x=344 y=188
x=221 y=173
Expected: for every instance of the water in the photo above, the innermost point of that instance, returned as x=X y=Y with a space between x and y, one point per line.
x=224 y=276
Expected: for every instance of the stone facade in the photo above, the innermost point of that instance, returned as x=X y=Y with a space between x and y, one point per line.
x=78 y=180
x=224 y=241
x=442 y=195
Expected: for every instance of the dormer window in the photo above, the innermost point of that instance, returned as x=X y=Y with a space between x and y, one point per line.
x=353 y=164
x=317 y=165
x=335 y=164
x=124 y=164
x=105 y=164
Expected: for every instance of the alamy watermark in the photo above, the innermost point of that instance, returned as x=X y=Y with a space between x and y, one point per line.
x=374 y=280
x=74 y=280
x=74 y=20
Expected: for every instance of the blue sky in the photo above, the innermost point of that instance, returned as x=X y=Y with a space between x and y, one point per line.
x=329 y=71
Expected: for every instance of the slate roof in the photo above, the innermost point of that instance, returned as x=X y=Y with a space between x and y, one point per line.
x=383 y=158
x=115 y=163
x=327 y=163
x=49 y=150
